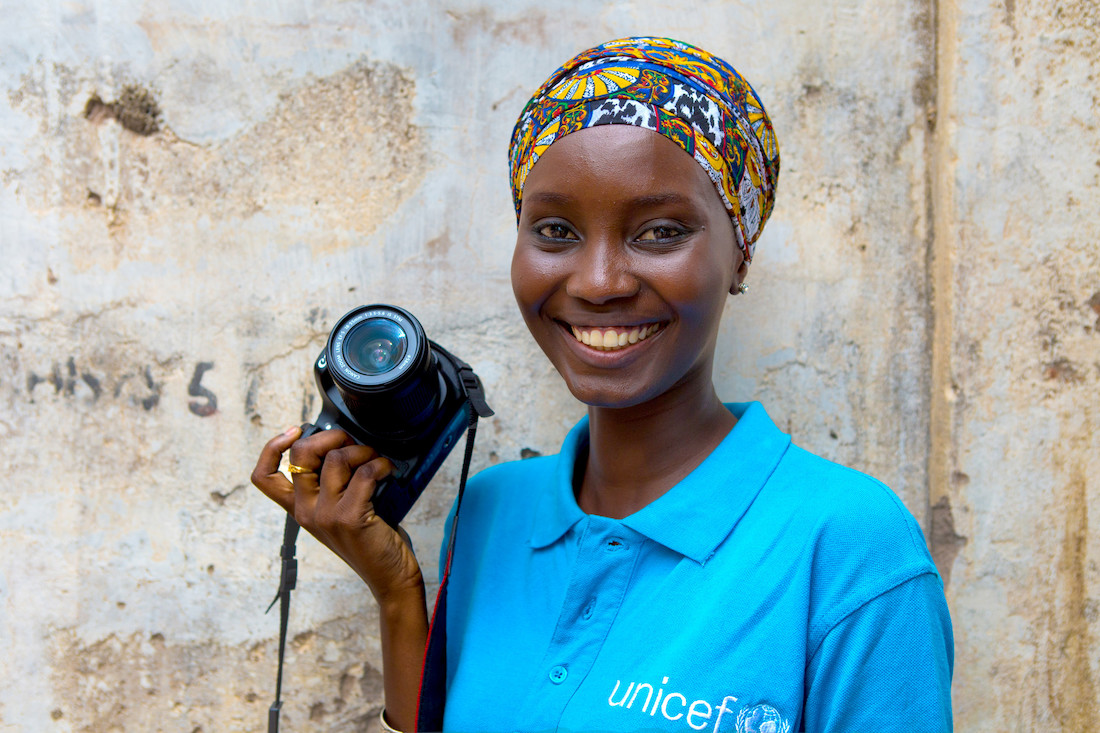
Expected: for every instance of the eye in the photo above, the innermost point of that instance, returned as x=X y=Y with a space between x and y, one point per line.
x=662 y=233
x=555 y=230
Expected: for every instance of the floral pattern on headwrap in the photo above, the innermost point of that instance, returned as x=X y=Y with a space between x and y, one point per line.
x=684 y=93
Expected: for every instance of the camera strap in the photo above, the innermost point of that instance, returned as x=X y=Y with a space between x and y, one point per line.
x=433 y=674
x=288 y=577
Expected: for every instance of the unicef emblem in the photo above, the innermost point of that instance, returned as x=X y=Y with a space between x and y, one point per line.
x=761 y=719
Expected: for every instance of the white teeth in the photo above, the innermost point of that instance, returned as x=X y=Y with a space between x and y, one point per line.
x=610 y=339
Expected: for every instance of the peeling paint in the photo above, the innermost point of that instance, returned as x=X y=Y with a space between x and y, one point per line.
x=943 y=541
x=136 y=110
x=342 y=150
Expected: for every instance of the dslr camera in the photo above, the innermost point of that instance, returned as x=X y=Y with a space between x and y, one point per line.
x=385 y=384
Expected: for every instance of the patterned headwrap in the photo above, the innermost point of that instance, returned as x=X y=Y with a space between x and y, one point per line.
x=690 y=96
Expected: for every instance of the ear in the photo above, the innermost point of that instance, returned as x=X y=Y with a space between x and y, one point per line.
x=739 y=276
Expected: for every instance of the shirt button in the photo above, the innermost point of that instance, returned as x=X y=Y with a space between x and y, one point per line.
x=558 y=674
x=615 y=544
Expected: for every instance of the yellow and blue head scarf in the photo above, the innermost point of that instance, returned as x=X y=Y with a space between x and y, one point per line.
x=692 y=97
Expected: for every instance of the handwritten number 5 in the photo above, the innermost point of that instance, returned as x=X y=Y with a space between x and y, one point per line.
x=195 y=389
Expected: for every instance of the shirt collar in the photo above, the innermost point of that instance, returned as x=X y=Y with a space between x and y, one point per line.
x=695 y=515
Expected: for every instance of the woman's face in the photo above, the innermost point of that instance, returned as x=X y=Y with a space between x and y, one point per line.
x=623 y=261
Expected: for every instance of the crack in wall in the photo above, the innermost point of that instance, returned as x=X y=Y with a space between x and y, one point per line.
x=940 y=263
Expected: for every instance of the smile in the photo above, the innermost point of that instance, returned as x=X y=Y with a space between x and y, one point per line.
x=610 y=339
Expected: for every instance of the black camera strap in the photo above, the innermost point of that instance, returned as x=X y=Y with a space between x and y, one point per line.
x=288 y=577
x=433 y=673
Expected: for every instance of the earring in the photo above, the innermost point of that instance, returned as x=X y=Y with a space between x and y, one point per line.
x=743 y=288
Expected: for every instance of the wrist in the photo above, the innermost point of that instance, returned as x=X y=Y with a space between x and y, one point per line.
x=386 y=727
x=399 y=602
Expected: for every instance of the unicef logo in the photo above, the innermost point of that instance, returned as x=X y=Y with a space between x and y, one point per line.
x=761 y=719
x=698 y=715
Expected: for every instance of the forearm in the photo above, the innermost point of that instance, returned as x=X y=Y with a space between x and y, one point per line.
x=404 y=632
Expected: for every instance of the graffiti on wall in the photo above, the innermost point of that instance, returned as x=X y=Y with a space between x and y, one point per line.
x=139 y=386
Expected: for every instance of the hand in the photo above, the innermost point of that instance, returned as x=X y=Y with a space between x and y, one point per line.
x=332 y=501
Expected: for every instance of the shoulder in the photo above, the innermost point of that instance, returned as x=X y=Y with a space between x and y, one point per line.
x=854 y=512
x=506 y=489
x=860 y=539
x=503 y=480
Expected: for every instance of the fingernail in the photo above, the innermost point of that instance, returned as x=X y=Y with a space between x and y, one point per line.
x=291 y=430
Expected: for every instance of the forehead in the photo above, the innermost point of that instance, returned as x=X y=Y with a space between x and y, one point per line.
x=612 y=162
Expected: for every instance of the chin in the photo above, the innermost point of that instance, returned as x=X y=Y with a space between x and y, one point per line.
x=598 y=393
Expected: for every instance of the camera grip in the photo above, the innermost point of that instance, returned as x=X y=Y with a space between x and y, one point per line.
x=309 y=429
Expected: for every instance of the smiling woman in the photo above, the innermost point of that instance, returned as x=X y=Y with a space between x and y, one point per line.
x=679 y=564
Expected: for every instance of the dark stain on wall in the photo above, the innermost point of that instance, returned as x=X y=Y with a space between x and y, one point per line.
x=1062 y=370
x=136 y=110
x=1094 y=303
x=944 y=542
x=1072 y=690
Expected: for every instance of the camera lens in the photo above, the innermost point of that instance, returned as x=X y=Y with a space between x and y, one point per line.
x=375 y=346
x=384 y=370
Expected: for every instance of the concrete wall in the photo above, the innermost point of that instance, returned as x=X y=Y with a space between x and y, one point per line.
x=191 y=193
x=1016 y=358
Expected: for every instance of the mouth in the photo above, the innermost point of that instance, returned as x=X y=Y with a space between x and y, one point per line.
x=614 y=338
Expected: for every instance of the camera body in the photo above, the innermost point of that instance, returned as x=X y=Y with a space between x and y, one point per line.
x=387 y=386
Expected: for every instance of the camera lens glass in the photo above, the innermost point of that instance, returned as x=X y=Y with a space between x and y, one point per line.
x=375 y=346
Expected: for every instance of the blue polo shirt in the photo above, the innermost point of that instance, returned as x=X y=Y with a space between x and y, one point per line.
x=770 y=590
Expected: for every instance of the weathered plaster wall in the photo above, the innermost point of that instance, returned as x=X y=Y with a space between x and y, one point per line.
x=191 y=193
x=1016 y=428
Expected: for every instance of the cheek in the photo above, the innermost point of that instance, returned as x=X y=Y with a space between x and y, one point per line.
x=528 y=282
x=701 y=299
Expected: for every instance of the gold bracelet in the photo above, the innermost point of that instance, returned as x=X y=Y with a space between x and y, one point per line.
x=386 y=727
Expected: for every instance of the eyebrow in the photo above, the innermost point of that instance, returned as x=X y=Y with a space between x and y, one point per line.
x=660 y=199
x=551 y=197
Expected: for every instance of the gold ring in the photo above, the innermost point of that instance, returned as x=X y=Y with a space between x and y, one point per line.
x=298 y=469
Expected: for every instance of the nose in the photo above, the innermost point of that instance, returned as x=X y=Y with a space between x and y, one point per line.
x=601 y=272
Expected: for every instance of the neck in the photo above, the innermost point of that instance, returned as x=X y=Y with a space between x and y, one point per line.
x=636 y=454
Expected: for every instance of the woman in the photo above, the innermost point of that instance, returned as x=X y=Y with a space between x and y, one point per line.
x=680 y=565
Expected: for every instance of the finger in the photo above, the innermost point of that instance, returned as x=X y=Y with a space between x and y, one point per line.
x=266 y=475
x=339 y=466
x=309 y=453
x=357 y=496
x=308 y=456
